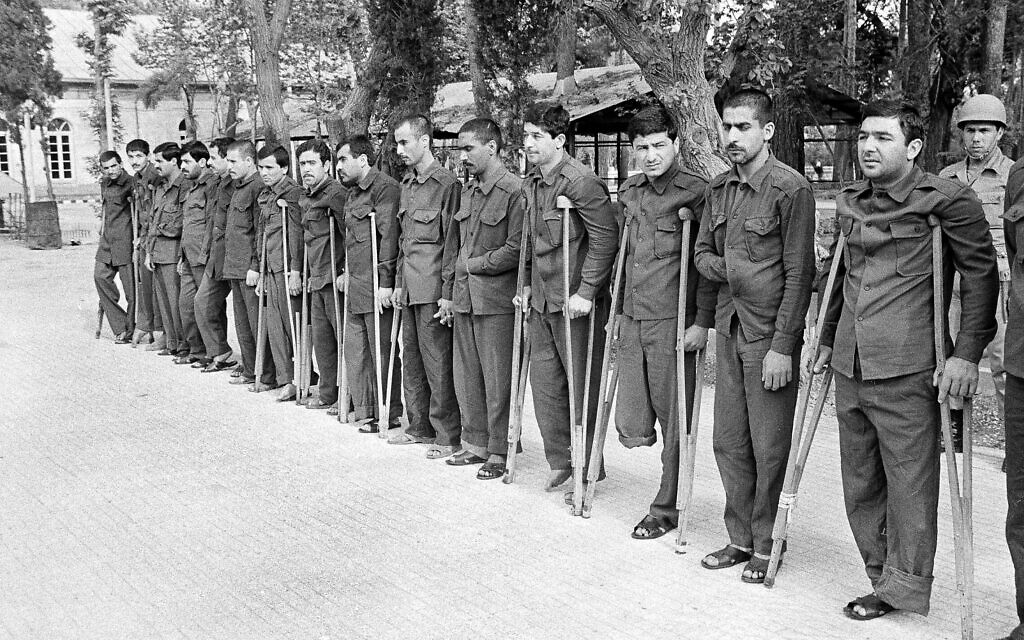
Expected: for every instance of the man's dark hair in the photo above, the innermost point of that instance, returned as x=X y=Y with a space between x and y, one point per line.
x=420 y=125
x=278 y=152
x=650 y=120
x=138 y=144
x=197 y=150
x=360 y=145
x=221 y=145
x=109 y=155
x=317 y=146
x=756 y=100
x=907 y=113
x=244 y=148
x=484 y=130
x=169 y=151
x=548 y=117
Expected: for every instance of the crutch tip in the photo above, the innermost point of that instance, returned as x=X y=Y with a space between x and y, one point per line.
x=769 y=582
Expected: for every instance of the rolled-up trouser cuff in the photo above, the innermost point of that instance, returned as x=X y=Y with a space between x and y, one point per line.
x=904 y=591
x=631 y=442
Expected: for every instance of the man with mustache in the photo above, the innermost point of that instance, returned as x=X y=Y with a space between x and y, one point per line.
x=114 y=253
x=757 y=242
x=982 y=122
x=879 y=340
x=429 y=199
x=649 y=205
x=149 y=322
x=163 y=245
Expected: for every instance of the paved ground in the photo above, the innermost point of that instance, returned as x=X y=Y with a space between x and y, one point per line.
x=143 y=500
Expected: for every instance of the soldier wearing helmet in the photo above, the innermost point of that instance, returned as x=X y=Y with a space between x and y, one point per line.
x=982 y=121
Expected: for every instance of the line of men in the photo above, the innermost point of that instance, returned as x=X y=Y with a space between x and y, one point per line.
x=445 y=257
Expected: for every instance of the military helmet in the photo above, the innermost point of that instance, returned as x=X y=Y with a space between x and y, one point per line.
x=983 y=107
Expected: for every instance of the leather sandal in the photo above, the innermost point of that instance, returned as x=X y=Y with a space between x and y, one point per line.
x=728 y=556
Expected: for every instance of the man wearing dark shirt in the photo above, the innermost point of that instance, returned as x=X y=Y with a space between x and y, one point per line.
x=114 y=254
x=481 y=259
x=163 y=245
x=369 y=190
x=878 y=338
x=148 y=322
x=430 y=197
x=649 y=205
x=757 y=242
x=591 y=245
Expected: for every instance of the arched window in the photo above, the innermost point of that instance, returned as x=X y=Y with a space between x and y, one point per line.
x=182 y=132
x=59 y=138
x=5 y=159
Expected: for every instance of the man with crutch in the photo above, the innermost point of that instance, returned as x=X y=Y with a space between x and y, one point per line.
x=429 y=198
x=879 y=338
x=649 y=205
x=591 y=245
x=323 y=206
x=114 y=253
x=482 y=253
x=757 y=242
x=371 y=231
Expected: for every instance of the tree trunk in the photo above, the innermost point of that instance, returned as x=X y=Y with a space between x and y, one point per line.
x=788 y=141
x=565 y=51
x=673 y=65
x=995 y=40
x=482 y=97
x=191 y=127
x=354 y=117
x=845 y=146
x=231 y=117
x=266 y=37
x=44 y=145
x=98 y=93
x=918 y=53
x=20 y=141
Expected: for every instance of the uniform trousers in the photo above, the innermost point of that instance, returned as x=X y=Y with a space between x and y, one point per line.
x=483 y=380
x=549 y=383
x=1015 y=489
x=753 y=429
x=103 y=275
x=360 y=359
x=212 y=314
x=149 y=319
x=889 y=457
x=191 y=280
x=429 y=383
x=647 y=391
x=325 y=340
x=247 y=307
x=279 y=326
x=167 y=284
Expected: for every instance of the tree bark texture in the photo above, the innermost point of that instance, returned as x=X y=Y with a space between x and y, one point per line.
x=98 y=76
x=266 y=40
x=354 y=116
x=565 y=51
x=995 y=40
x=481 y=92
x=917 y=56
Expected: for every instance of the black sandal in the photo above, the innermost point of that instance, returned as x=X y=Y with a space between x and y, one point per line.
x=874 y=607
x=491 y=471
x=728 y=556
x=650 y=528
x=756 y=570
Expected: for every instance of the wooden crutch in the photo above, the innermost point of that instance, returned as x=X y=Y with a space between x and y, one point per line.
x=382 y=420
x=684 y=480
x=576 y=435
x=136 y=276
x=340 y=362
x=396 y=321
x=520 y=360
x=609 y=377
x=685 y=493
x=261 y=321
x=342 y=339
x=288 y=296
x=800 y=444
x=306 y=346
x=962 y=541
x=99 y=308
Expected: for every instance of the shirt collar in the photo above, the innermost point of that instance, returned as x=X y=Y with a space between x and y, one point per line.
x=901 y=190
x=368 y=179
x=241 y=182
x=994 y=162
x=537 y=174
x=489 y=180
x=755 y=181
x=661 y=183
x=412 y=174
x=319 y=186
x=283 y=185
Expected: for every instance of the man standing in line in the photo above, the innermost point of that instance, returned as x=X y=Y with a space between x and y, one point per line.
x=323 y=205
x=201 y=190
x=149 y=322
x=879 y=339
x=212 y=295
x=163 y=245
x=481 y=260
x=982 y=122
x=279 y=280
x=1014 y=227
x=650 y=204
x=241 y=259
x=593 y=239
x=369 y=190
x=429 y=199
x=114 y=254
x=757 y=242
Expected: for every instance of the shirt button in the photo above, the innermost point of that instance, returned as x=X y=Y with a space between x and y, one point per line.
x=867 y=224
x=867 y=288
x=636 y=264
x=860 y=318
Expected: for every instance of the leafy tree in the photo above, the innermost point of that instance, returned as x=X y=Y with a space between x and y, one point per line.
x=266 y=24
x=109 y=18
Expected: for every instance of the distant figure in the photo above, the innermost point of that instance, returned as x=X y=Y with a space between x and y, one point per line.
x=819 y=170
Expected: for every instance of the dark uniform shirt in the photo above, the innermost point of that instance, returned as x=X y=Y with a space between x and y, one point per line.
x=163 y=243
x=240 y=255
x=593 y=233
x=145 y=188
x=115 y=247
x=270 y=225
x=428 y=202
x=196 y=218
x=654 y=242
x=1013 y=225
x=881 y=308
x=218 y=216
x=323 y=206
x=758 y=237
x=482 y=247
x=379 y=193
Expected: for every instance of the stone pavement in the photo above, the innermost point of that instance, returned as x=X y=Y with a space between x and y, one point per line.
x=143 y=500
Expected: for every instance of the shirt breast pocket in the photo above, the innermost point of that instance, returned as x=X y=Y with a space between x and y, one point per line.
x=425 y=226
x=913 y=247
x=667 y=235
x=553 y=223
x=763 y=237
x=357 y=223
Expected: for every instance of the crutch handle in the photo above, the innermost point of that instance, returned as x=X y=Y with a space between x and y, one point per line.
x=686 y=214
x=563 y=202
